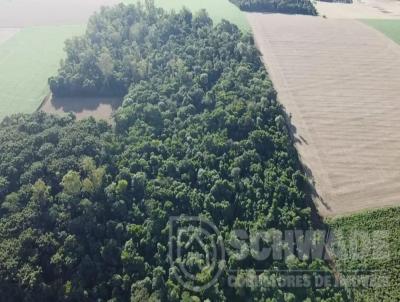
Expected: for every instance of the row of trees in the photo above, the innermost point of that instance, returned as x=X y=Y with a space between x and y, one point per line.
x=304 y=7
x=84 y=207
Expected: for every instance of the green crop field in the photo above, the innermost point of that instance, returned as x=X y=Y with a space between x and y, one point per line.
x=383 y=259
x=26 y=62
x=390 y=28
x=217 y=9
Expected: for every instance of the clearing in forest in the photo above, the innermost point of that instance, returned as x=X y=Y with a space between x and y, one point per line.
x=339 y=80
x=99 y=107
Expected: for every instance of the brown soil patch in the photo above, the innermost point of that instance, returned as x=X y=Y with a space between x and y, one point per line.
x=7 y=33
x=101 y=108
x=339 y=80
x=23 y=13
x=360 y=9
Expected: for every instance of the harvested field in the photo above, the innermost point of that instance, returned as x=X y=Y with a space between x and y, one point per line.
x=100 y=108
x=359 y=9
x=7 y=33
x=339 y=79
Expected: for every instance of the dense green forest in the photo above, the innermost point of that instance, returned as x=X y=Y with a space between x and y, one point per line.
x=84 y=207
x=304 y=7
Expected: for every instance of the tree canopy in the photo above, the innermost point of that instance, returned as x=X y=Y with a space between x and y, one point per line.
x=304 y=7
x=84 y=208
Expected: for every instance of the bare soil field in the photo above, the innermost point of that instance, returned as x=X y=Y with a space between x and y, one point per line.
x=360 y=9
x=24 y=13
x=99 y=108
x=7 y=33
x=340 y=82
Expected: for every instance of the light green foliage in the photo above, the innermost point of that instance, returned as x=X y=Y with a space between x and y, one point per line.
x=71 y=183
x=122 y=185
x=390 y=28
x=379 y=261
x=26 y=62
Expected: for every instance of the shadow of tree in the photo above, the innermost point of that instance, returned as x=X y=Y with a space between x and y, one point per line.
x=310 y=189
x=79 y=104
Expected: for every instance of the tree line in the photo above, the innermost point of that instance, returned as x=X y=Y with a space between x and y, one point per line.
x=84 y=207
x=304 y=7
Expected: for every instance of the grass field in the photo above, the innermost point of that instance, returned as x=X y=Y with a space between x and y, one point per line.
x=217 y=9
x=390 y=28
x=26 y=62
x=384 y=263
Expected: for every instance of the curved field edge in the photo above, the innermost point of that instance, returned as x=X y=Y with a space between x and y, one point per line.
x=390 y=28
x=385 y=264
x=26 y=62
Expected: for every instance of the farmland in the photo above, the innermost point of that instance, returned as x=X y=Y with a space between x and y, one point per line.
x=86 y=208
x=33 y=54
x=27 y=13
x=386 y=221
x=7 y=33
x=346 y=118
x=390 y=28
x=26 y=61
x=366 y=9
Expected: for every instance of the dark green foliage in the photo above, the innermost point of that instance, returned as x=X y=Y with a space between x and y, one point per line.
x=304 y=7
x=85 y=208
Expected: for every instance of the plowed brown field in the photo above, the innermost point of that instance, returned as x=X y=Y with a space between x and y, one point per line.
x=340 y=81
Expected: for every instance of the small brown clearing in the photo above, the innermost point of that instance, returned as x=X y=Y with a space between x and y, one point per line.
x=7 y=33
x=340 y=82
x=360 y=9
x=24 y=13
x=101 y=108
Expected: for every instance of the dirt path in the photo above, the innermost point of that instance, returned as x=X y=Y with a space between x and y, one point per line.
x=340 y=81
